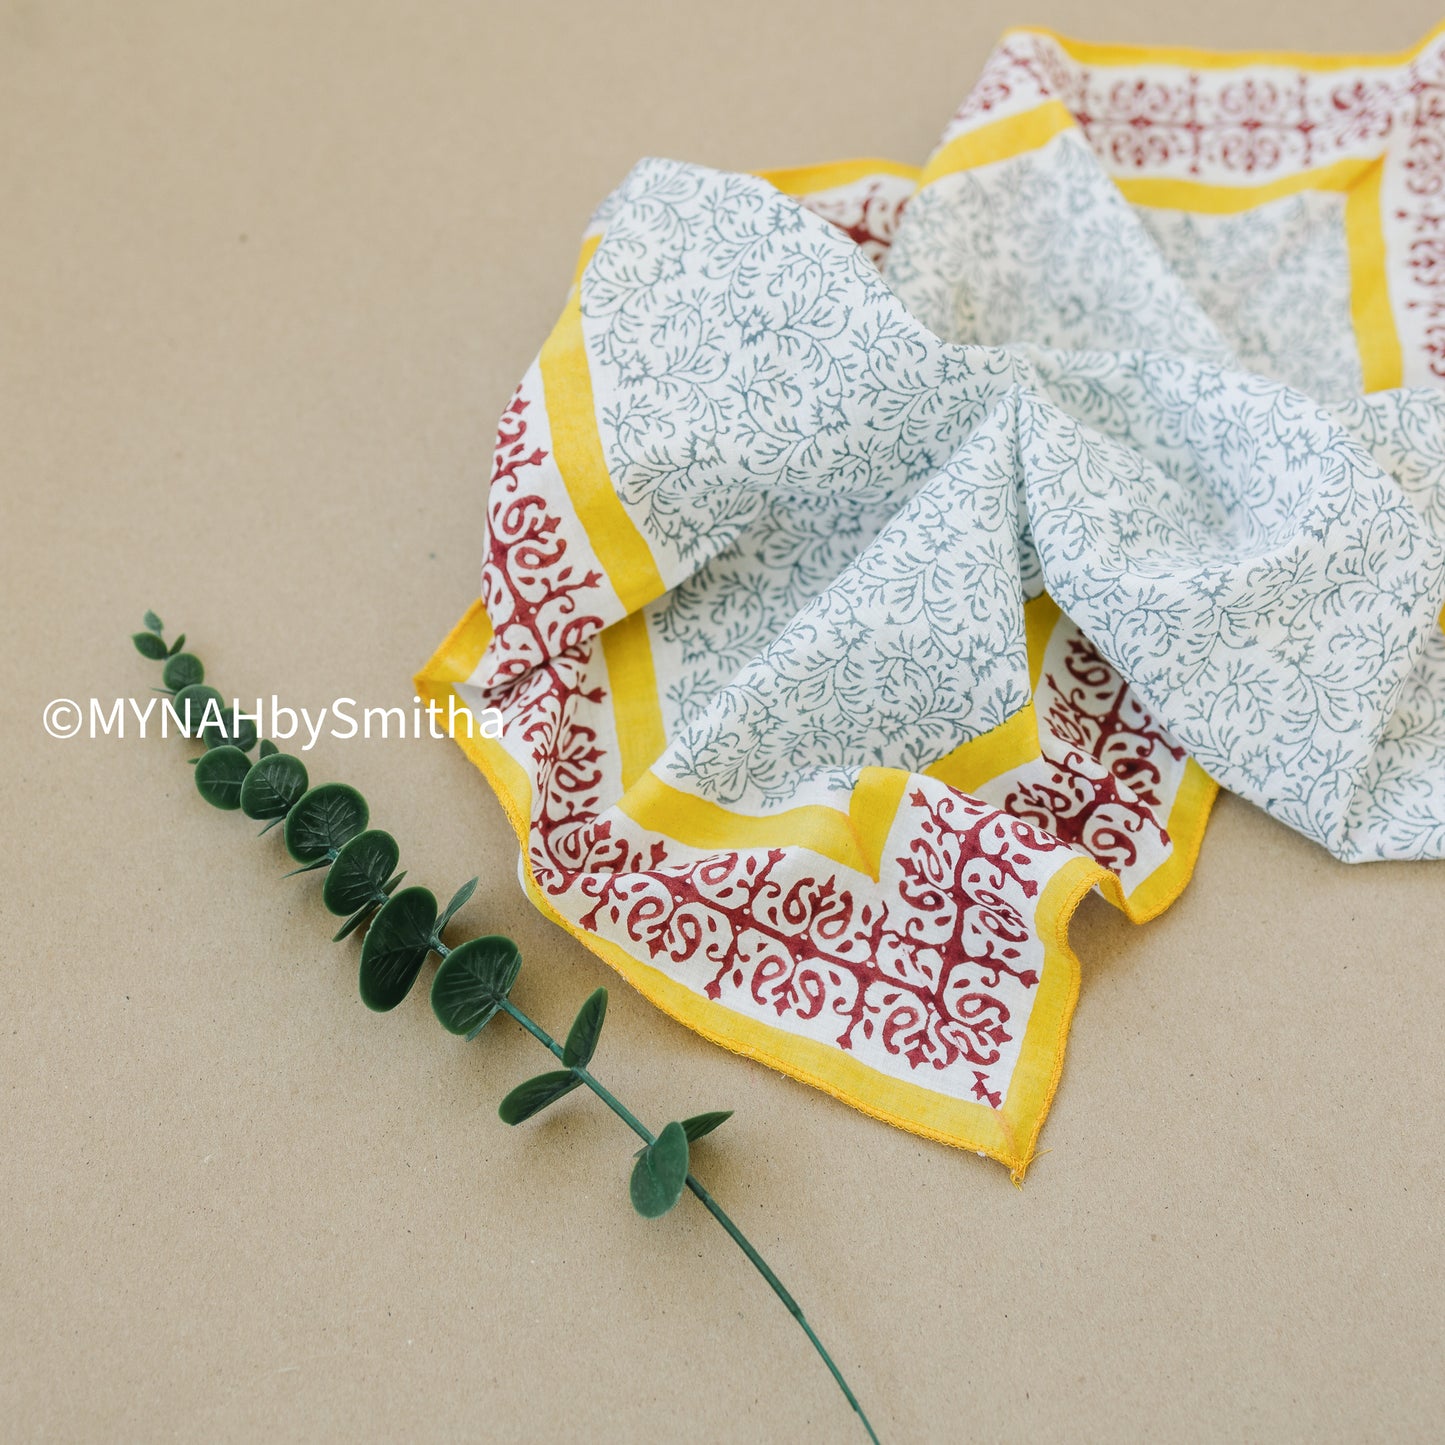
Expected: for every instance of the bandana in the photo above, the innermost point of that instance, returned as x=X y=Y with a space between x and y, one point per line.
x=880 y=558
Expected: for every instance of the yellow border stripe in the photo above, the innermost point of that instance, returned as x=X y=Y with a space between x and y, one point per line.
x=1203 y=197
x=1041 y=616
x=1015 y=741
x=1008 y=746
x=1008 y=1134
x=577 y=448
x=999 y=140
x=1377 y=339
x=854 y=839
x=810 y=180
x=1107 y=55
x=1382 y=363
x=636 y=709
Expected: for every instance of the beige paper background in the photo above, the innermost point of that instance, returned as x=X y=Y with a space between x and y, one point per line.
x=268 y=273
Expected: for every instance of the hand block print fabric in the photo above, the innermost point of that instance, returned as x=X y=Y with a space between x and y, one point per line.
x=879 y=558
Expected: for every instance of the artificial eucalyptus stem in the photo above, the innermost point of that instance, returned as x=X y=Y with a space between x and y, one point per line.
x=708 y=1203
x=325 y=827
x=592 y=1082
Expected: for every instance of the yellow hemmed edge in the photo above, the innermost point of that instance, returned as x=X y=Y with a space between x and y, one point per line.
x=810 y=180
x=577 y=449
x=1195 y=59
x=1008 y=1134
x=999 y=140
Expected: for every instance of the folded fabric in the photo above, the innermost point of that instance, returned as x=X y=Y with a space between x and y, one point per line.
x=879 y=559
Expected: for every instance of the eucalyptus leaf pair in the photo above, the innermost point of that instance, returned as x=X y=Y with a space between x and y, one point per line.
x=582 y=1038
x=151 y=644
x=327 y=827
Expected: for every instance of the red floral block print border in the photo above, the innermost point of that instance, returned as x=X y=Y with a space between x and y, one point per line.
x=867 y=212
x=1163 y=117
x=1423 y=215
x=536 y=599
x=933 y=966
x=1104 y=790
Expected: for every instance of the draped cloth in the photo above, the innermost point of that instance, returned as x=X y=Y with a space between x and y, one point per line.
x=880 y=558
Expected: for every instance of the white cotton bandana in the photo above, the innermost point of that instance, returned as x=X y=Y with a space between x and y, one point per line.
x=879 y=558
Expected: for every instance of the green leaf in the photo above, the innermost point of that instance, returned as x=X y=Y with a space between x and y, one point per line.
x=149 y=645
x=585 y=1031
x=324 y=861
x=363 y=913
x=323 y=820
x=272 y=787
x=396 y=946
x=182 y=670
x=153 y=623
x=267 y=749
x=660 y=1174
x=176 y=646
x=243 y=733
x=472 y=981
x=701 y=1124
x=219 y=776
x=353 y=923
x=239 y=733
x=193 y=704
x=360 y=869
x=459 y=898
x=536 y=1094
